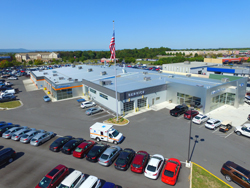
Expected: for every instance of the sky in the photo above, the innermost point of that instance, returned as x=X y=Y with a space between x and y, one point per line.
x=85 y=25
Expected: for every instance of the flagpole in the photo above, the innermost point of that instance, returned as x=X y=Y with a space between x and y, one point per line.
x=115 y=81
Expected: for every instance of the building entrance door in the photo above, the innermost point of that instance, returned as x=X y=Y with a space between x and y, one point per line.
x=153 y=101
x=128 y=106
x=180 y=100
x=142 y=103
x=86 y=90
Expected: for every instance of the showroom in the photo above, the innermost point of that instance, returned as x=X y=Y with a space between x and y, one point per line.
x=138 y=88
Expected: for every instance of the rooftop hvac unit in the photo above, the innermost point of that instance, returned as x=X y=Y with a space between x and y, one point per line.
x=76 y=80
x=144 y=72
x=90 y=70
x=224 y=80
x=61 y=78
x=40 y=70
x=54 y=74
x=70 y=79
x=188 y=75
x=170 y=76
x=80 y=67
x=103 y=73
x=73 y=66
x=200 y=85
x=186 y=62
x=147 y=78
x=54 y=71
x=107 y=82
x=45 y=73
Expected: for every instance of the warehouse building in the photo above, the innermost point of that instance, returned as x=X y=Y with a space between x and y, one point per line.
x=138 y=88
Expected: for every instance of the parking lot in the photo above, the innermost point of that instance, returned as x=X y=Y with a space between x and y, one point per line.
x=153 y=131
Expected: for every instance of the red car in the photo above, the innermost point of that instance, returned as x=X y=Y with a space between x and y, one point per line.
x=187 y=114
x=171 y=171
x=54 y=177
x=82 y=150
x=139 y=162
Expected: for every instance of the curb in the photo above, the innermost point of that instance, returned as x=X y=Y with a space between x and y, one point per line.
x=117 y=124
x=212 y=175
x=12 y=108
x=191 y=174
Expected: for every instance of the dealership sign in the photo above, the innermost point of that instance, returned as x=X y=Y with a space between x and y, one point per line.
x=63 y=86
x=136 y=93
x=217 y=91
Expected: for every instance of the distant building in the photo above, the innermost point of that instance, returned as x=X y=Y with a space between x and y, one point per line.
x=8 y=58
x=44 y=56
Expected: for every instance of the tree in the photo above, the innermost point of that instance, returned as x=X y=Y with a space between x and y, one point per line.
x=30 y=62
x=196 y=55
x=38 y=62
x=248 y=60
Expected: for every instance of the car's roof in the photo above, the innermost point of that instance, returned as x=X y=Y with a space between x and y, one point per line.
x=89 y=182
x=213 y=120
x=154 y=161
x=5 y=150
x=108 y=185
x=108 y=151
x=71 y=178
x=39 y=134
x=170 y=166
x=31 y=132
x=138 y=159
x=21 y=130
x=55 y=170
x=14 y=128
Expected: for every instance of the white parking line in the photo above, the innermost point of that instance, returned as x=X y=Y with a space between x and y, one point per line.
x=201 y=126
x=229 y=134
x=216 y=130
x=102 y=116
x=179 y=117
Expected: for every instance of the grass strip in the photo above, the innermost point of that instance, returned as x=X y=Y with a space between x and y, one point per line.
x=10 y=104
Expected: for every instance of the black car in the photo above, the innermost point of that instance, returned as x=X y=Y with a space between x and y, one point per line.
x=71 y=145
x=7 y=155
x=7 y=98
x=4 y=124
x=6 y=127
x=178 y=110
x=59 y=143
x=96 y=152
x=5 y=87
x=248 y=118
x=124 y=159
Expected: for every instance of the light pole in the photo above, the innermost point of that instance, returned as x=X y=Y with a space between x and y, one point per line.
x=190 y=128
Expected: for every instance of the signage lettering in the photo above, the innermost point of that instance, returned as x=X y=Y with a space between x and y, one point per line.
x=217 y=91
x=137 y=93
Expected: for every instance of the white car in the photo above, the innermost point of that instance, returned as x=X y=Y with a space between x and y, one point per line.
x=73 y=180
x=91 y=182
x=243 y=130
x=154 y=166
x=200 y=118
x=12 y=78
x=87 y=104
x=213 y=124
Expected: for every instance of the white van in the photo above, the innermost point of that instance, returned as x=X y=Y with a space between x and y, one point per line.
x=105 y=132
x=91 y=182
x=73 y=180
x=12 y=91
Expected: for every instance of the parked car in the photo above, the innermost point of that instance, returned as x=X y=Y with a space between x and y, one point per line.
x=59 y=143
x=190 y=114
x=178 y=110
x=17 y=135
x=11 y=131
x=6 y=127
x=139 y=162
x=12 y=78
x=73 y=180
x=171 y=171
x=248 y=118
x=7 y=98
x=109 y=155
x=96 y=152
x=93 y=111
x=29 y=135
x=71 y=145
x=200 y=118
x=225 y=126
x=154 y=166
x=82 y=150
x=54 y=177
x=109 y=185
x=41 y=138
x=124 y=159
x=7 y=155
x=243 y=130
x=91 y=182
x=236 y=173
x=213 y=124
x=87 y=104
x=46 y=98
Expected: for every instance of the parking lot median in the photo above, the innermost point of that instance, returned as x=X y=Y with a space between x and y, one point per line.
x=10 y=104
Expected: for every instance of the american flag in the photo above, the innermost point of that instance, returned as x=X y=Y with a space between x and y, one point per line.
x=112 y=46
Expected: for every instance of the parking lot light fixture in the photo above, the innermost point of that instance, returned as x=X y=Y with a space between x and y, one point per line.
x=190 y=128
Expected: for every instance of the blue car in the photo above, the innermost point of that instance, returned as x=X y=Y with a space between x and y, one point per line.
x=46 y=98
x=109 y=185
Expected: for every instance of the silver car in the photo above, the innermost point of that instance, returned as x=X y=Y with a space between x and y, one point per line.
x=41 y=138
x=109 y=155
x=93 y=110
x=87 y=104
x=29 y=135
x=11 y=131
x=17 y=135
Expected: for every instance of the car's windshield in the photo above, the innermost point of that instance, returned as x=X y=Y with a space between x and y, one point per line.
x=104 y=156
x=115 y=133
x=197 y=117
x=209 y=123
x=93 y=152
x=63 y=186
x=7 y=132
x=136 y=165
x=54 y=144
x=45 y=182
x=78 y=149
x=120 y=161
x=151 y=168
x=25 y=136
x=14 y=135
x=168 y=173
x=34 y=139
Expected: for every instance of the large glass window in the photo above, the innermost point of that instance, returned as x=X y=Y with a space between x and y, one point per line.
x=187 y=99
x=64 y=94
x=104 y=96
x=220 y=100
x=92 y=90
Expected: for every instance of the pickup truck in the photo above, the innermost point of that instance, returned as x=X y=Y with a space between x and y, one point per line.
x=178 y=110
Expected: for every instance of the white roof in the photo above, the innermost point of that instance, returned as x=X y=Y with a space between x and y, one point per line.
x=101 y=126
x=89 y=182
x=71 y=178
x=153 y=161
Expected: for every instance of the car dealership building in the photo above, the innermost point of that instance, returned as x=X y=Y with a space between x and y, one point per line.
x=137 y=88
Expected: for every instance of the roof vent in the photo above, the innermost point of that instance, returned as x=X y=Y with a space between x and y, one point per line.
x=144 y=72
x=70 y=79
x=170 y=76
x=45 y=73
x=103 y=73
x=186 y=62
x=80 y=67
x=147 y=78
x=61 y=78
x=188 y=75
x=76 y=80
x=54 y=71
x=224 y=80
x=200 y=85
x=55 y=75
x=90 y=70
x=107 y=82
x=40 y=70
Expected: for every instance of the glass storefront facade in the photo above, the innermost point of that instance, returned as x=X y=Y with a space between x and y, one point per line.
x=220 y=100
x=187 y=99
x=63 y=94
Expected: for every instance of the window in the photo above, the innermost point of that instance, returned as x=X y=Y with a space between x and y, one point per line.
x=104 y=96
x=92 y=90
x=157 y=98
x=76 y=181
x=101 y=133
